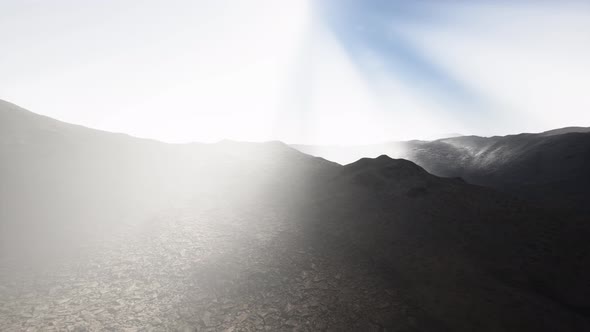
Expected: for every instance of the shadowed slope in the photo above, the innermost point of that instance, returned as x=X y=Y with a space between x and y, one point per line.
x=549 y=168
x=472 y=257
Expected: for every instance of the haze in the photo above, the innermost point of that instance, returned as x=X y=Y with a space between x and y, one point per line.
x=294 y=165
x=315 y=72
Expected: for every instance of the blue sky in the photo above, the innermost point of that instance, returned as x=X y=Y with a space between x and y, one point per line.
x=324 y=71
x=366 y=27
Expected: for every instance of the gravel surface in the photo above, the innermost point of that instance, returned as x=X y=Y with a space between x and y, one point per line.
x=206 y=271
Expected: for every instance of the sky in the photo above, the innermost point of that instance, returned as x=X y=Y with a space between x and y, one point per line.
x=299 y=71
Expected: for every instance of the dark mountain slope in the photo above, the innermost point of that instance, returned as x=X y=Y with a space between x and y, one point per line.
x=565 y=130
x=472 y=257
x=550 y=169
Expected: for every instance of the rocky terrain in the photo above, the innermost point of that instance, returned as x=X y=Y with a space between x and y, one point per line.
x=548 y=168
x=102 y=231
x=206 y=271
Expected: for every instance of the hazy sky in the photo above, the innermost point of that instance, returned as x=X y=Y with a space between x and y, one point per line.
x=324 y=71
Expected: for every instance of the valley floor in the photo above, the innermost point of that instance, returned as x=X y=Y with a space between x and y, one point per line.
x=207 y=271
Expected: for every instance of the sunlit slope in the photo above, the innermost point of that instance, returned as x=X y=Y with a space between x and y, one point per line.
x=60 y=180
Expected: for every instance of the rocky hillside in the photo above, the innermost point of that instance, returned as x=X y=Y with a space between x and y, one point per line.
x=461 y=249
x=59 y=178
x=107 y=231
x=549 y=168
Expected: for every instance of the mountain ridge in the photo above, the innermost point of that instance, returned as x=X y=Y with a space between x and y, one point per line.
x=538 y=167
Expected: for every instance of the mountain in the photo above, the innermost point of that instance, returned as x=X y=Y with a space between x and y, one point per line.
x=566 y=130
x=216 y=236
x=66 y=180
x=460 y=248
x=343 y=154
x=549 y=168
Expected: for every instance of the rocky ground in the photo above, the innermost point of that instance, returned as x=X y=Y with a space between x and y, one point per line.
x=209 y=271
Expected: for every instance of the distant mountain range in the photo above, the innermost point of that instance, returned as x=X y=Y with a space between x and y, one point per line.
x=471 y=257
x=550 y=167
